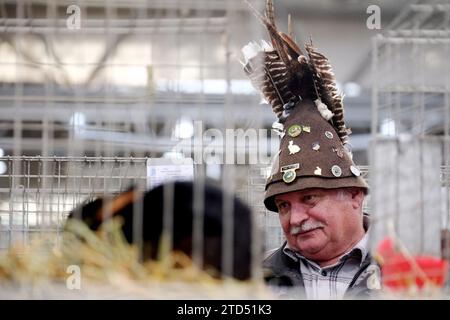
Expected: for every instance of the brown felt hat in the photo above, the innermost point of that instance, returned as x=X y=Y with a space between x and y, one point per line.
x=301 y=89
x=311 y=155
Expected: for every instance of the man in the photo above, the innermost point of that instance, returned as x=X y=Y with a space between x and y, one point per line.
x=314 y=185
x=321 y=215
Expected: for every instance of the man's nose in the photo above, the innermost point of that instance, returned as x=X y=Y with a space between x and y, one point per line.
x=299 y=213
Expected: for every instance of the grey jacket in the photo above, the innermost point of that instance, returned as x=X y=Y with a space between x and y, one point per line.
x=283 y=274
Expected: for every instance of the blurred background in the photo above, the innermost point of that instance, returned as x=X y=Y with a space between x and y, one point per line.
x=94 y=95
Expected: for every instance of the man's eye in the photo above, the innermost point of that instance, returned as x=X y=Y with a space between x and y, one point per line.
x=283 y=206
x=309 y=198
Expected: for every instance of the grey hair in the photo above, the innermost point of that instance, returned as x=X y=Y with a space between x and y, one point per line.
x=343 y=194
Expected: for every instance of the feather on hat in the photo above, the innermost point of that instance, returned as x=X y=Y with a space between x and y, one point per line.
x=282 y=72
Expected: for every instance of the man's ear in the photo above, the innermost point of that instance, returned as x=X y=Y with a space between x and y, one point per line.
x=357 y=197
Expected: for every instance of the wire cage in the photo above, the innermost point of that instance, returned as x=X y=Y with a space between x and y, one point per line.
x=93 y=94
x=91 y=91
x=410 y=150
x=37 y=193
x=37 y=199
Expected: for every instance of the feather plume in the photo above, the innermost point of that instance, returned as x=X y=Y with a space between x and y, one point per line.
x=282 y=43
x=276 y=70
x=270 y=12
x=325 y=83
x=290 y=27
x=268 y=74
x=282 y=73
x=323 y=109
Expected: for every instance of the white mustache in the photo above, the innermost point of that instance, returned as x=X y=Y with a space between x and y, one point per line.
x=305 y=227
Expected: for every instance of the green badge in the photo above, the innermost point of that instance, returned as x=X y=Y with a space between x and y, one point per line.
x=294 y=130
x=289 y=176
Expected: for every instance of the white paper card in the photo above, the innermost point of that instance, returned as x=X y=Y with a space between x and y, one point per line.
x=161 y=170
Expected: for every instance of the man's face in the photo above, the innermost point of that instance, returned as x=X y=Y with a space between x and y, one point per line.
x=321 y=224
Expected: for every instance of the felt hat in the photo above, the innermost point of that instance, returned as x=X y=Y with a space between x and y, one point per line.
x=301 y=89
x=311 y=155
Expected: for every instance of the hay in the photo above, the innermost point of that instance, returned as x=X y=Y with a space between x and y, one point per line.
x=110 y=269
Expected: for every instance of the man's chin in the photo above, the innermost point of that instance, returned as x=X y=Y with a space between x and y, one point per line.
x=309 y=250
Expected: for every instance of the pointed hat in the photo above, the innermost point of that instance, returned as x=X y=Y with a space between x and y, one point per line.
x=301 y=89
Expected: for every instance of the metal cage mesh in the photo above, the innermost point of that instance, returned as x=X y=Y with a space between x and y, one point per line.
x=83 y=107
x=410 y=127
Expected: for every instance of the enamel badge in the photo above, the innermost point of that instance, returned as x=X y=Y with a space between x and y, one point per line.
x=289 y=176
x=355 y=171
x=306 y=129
x=293 y=148
x=336 y=171
x=316 y=146
x=294 y=130
x=289 y=173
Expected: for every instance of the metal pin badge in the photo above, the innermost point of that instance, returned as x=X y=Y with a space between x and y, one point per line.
x=289 y=176
x=306 y=129
x=336 y=171
x=318 y=171
x=316 y=146
x=294 y=130
x=293 y=166
x=329 y=135
x=355 y=171
x=293 y=148
x=289 y=173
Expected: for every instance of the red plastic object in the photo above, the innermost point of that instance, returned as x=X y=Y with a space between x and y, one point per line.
x=398 y=272
x=386 y=249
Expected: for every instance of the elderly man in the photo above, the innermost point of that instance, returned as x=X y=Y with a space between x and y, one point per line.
x=320 y=211
x=314 y=185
